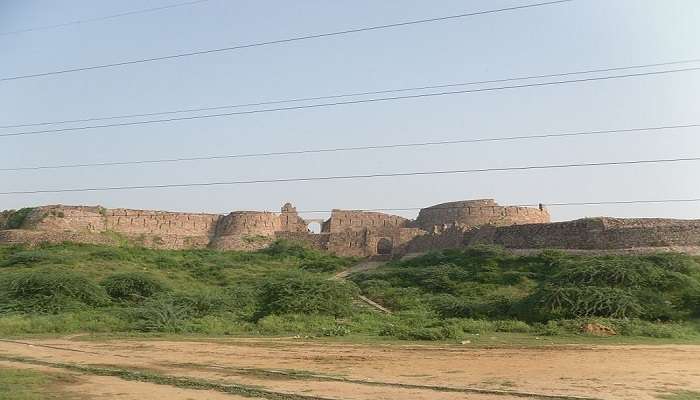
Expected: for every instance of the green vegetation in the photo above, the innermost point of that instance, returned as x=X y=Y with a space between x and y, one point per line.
x=476 y=293
x=682 y=395
x=22 y=384
x=15 y=218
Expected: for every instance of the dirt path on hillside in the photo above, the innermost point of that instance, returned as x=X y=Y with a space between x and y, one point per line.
x=346 y=371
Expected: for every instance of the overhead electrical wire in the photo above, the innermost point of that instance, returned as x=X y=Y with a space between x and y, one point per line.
x=356 y=176
x=340 y=103
x=354 y=148
x=102 y=18
x=353 y=94
x=285 y=40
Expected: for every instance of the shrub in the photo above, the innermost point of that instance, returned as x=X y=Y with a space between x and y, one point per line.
x=438 y=332
x=326 y=264
x=160 y=314
x=475 y=325
x=16 y=219
x=132 y=286
x=284 y=248
x=111 y=254
x=551 y=328
x=238 y=302
x=26 y=257
x=553 y=302
x=48 y=291
x=448 y=306
x=305 y=294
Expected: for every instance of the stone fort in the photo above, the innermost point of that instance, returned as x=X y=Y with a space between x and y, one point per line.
x=349 y=232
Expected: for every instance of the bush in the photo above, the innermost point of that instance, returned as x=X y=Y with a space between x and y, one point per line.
x=160 y=314
x=297 y=324
x=551 y=328
x=551 y=302
x=299 y=293
x=326 y=264
x=111 y=254
x=16 y=219
x=442 y=331
x=475 y=325
x=284 y=248
x=238 y=302
x=26 y=257
x=132 y=286
x=48 y=291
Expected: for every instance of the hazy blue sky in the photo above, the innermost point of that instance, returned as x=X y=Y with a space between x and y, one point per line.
x=578 y=35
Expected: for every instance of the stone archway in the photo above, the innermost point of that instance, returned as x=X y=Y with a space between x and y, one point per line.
x=384 y=246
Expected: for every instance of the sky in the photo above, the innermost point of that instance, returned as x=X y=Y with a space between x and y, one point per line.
x=578 y=35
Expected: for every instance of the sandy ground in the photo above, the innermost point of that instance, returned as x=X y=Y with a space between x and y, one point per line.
x=377 y=371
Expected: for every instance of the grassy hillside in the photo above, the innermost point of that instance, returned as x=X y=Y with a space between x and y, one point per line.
x=286 y=290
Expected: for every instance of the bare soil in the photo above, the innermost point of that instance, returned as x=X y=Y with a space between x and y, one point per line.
x=292 y=369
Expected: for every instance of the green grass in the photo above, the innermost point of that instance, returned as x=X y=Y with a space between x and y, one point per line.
x=456 y=295
x=681 y=395
x=23 y=384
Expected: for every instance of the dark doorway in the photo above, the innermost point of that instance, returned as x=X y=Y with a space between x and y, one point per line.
x=384 y=246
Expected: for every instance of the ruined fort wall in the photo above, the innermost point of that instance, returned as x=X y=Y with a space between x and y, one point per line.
x=290 y=220
x=246 y=230
x=450 y=238
x=313 y=240
x=350 y=243
x=120 y=220
x=343 y=220
x=592 y=233
x=351 y=233
x=475 y=213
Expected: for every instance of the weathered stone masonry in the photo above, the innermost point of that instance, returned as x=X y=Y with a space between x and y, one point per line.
x=350 y=232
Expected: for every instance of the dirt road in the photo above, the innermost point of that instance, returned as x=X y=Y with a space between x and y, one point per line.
x=289 y=369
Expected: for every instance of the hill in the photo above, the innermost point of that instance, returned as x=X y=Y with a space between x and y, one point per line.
x=286 y=290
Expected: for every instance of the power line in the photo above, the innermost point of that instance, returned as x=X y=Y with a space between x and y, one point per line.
x=286 y=40
x=354 y=94
x=355 y=148
x=358 y=176
x=340 y=103
x=102 y=18
x=316 y=211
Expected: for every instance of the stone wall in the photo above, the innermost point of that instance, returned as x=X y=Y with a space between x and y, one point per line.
x=290 y=220
x=352 y=233
x=315 y=241
x=246 y=230
x=119 y=220
x=592 y=233
x=475 y=213
x=343 y=220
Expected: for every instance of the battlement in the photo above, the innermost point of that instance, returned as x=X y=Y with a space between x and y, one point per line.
x=346 y=232
x=476 y=213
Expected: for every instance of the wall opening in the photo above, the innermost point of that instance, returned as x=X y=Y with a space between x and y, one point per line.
x=384 y=246
x=314 y=227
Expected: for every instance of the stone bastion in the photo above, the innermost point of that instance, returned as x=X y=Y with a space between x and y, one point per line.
x=347 y=232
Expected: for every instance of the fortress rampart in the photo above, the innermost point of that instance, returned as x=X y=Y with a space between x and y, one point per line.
x=344 y=220
x=593 y=234
x=475 y=213
x=348 y=232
